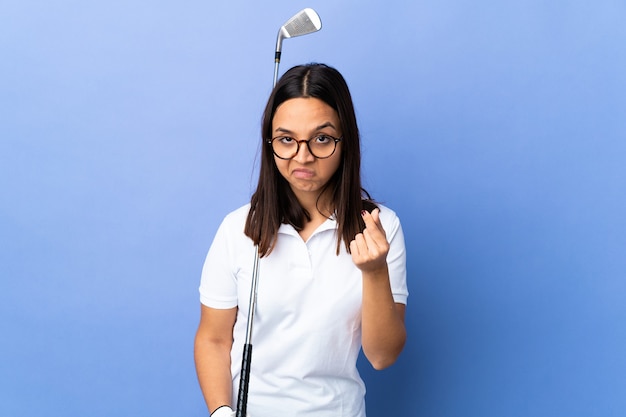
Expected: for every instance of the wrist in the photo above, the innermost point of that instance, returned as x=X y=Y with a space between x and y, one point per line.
x=378 y=272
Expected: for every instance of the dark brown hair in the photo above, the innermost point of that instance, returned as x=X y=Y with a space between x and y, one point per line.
x=274 y=202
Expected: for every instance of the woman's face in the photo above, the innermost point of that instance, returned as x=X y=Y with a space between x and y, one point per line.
x=303 y=119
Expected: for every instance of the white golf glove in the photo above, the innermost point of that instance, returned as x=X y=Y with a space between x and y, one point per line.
x=225 y=411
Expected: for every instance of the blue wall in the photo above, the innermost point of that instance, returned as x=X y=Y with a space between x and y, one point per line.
x=496 y=129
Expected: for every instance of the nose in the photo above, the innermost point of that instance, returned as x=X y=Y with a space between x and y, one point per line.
x=304 y=155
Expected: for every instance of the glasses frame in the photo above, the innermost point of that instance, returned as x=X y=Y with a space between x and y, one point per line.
x=307 y=141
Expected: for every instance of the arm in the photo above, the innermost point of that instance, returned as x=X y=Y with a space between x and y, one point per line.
x=384 y=333
x=214 y=340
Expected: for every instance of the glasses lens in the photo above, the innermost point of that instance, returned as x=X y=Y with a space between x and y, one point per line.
x=322 y=146
x=285 y=148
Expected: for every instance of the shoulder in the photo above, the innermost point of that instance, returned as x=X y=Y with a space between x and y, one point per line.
x=235 y=220
x=239 y=214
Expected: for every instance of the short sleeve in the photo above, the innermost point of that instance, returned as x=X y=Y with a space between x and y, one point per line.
x=218 y=284
x=396 y=258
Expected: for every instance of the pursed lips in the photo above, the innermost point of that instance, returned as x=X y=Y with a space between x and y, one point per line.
x=302 y=173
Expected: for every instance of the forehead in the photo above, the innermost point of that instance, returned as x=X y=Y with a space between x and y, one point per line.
x=304 y=115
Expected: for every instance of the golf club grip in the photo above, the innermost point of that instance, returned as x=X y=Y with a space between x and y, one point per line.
x=242 y=397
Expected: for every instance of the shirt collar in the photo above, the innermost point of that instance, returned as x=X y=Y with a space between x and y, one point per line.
x=329 y=224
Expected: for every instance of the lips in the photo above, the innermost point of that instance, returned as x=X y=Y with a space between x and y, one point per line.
x=302 y=173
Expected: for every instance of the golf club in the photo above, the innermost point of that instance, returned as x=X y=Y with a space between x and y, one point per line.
x=304 y=22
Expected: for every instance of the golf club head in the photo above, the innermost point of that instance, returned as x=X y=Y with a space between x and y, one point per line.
x=302 y=23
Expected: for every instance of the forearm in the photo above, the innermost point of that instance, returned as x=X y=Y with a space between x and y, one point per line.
x=383 y=330
x=213 y=369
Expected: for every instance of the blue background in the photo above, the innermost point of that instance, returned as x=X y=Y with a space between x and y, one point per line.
x=496 y=129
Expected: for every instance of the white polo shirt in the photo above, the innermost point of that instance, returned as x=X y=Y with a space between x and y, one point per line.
x=307 y=326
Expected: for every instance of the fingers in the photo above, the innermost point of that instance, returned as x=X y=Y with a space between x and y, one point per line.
x=355 y=248
x=372 y=222
x=369 y=248
x=374 y=245
x=368 y=254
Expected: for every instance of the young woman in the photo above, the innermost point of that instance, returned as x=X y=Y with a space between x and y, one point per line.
x=332 y=276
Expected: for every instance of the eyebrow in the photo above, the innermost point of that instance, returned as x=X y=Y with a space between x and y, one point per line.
x=320 y=127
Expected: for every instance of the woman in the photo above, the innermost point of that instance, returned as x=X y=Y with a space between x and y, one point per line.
x=332 y=274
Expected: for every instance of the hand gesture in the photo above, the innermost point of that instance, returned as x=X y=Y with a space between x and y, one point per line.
x=369 y=249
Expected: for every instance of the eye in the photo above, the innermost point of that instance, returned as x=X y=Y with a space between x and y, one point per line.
x=285 y=140
x=323 y=139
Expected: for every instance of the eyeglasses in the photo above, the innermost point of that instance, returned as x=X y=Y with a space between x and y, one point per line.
x=320 y=146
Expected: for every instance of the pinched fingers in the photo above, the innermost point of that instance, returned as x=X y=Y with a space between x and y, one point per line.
x=369 y=249
x=372 y=221
x=374 y=230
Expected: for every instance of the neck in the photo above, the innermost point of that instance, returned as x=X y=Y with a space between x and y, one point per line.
x=318 y=207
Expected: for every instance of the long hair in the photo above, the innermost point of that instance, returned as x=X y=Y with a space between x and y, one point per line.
x=274 y=202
